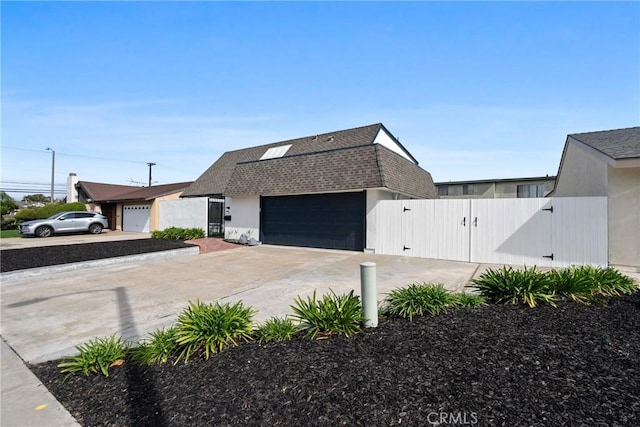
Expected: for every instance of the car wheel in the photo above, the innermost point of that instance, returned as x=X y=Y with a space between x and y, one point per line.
x=95 y=229
x=44 y=231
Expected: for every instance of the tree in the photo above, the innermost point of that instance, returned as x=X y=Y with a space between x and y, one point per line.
x=35 y=198
x=7 y=204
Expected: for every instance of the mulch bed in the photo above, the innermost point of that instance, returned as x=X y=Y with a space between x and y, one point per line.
x=499 y=365
x=21 y=259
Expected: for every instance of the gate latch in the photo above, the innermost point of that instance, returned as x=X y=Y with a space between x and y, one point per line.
x=549 y=209
x=548 y=256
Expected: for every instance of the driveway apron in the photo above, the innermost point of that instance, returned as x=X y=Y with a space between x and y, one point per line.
x=45 y=317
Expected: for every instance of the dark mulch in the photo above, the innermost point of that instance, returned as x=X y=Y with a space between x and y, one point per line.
x=500 y=365
x=20 y=259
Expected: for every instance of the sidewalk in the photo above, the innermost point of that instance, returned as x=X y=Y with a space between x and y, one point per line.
x=25 y=401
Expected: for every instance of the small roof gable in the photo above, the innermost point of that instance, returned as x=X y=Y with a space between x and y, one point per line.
x=618 y=144
x=229 y=173
x=100 y=192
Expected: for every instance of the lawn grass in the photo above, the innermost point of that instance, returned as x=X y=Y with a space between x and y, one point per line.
x=5 y=234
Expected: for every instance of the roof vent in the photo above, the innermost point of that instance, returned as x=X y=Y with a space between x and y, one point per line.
x=275 y=152
x=331 y=138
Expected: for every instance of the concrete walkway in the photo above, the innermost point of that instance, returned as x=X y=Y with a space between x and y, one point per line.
x=45 y=317
x=24 y=400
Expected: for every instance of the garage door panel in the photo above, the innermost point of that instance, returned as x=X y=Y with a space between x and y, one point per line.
x=333 y=221
x=136 y=218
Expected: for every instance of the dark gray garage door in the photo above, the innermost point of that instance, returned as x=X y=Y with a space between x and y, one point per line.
x=331 y=221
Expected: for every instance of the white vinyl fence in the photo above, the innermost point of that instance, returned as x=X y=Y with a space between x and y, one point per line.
x=546 y=232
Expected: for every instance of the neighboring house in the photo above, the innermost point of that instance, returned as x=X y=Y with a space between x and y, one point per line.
x=496 y=188
x=607 y=163
x=126 y=207
x=316 y=191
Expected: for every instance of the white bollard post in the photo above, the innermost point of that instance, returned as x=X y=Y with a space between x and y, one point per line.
x=369 y=293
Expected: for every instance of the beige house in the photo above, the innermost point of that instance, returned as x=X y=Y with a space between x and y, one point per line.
x=496 y=188
x=126 y=207
x=607 y=163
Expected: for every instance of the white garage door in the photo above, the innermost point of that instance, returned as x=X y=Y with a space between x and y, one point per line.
x=136 y=218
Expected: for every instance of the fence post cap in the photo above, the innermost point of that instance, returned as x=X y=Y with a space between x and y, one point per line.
x=368 y=264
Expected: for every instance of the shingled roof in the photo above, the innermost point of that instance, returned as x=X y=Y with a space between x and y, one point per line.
x=618 y=144
x=336 y=161
x=100 y=192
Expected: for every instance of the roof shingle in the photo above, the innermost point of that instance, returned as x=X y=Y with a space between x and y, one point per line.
x=335 y=161
x=618 y=144
x=100 y=192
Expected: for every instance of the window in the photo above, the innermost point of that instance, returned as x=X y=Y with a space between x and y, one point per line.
x=275 y=152
x=530 y=190
x=443 y=190
x=467 y=190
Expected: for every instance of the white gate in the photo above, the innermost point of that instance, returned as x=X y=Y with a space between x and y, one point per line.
x=549 y=232
x=436 y=230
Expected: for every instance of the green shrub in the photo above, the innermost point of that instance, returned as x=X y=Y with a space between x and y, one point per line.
x=212 y=327
x=276 y=329
x=586 y=284
x=527 y=286
x=28 y=214
x=53 y=208
x=96 y=355
x=418 y=299
x=333 y=314
x=469 y=300
x=9 y=223
x=157 y=349
x=176 y=233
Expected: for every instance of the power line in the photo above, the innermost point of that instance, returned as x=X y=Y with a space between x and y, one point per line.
x=28 y=183
x=82 y=156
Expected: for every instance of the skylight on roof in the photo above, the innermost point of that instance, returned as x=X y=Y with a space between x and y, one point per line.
x=275 y=152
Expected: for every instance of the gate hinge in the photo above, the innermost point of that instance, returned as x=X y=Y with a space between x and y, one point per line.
x=548 y=256
x=549 y=209
x=406 y=248
x=406 y=209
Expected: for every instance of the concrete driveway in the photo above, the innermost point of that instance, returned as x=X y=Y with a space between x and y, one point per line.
x=44 y=317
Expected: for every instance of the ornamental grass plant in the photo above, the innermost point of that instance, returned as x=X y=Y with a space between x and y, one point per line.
x=276 y=329
x=212 y=327
x=464 y=299
x=331 y=314
x=97 y=355
x=157 y=349
x=419 y=299
x=507 y=285
x=586 y=284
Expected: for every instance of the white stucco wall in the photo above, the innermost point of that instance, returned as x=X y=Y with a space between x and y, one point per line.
x=624 y=216
x=245 y=217
x=582 y=174
x=183 y=213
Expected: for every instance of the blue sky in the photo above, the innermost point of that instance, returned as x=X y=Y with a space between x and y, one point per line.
x=473 y=90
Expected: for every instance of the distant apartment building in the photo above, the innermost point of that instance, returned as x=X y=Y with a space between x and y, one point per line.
x=496 y=188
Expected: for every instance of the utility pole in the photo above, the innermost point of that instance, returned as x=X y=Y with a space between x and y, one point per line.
x=150 y=166
x=53 y=170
